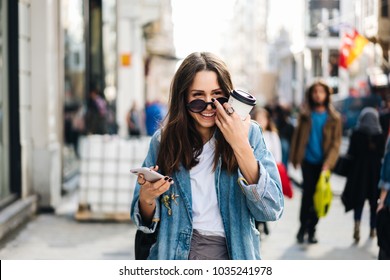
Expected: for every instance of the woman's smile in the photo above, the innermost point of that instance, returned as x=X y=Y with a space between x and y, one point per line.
x=208 y=115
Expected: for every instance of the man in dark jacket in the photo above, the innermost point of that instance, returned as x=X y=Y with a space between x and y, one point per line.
x=315 y=146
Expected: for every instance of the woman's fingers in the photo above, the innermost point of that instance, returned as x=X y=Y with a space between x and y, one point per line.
x=221 y=113
x=157 y=188
x=229 y=122
x=141 y=179
x=229 y=110
x=164 y=187
x=163 y=184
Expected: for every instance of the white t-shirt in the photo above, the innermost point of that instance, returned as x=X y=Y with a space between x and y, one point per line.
x=205 y=211
x=272 y=142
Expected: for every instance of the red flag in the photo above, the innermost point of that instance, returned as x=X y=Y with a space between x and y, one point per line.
x=352 y=46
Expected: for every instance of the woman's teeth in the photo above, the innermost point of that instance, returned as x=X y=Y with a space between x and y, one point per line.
x=208 y=115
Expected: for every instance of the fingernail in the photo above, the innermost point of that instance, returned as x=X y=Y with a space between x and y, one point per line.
x=213 y=99
x=166 y=178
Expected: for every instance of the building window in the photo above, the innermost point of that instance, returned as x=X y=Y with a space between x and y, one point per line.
x=73 y=21
x=316 y=8
x=384 y=9
x=317 y=63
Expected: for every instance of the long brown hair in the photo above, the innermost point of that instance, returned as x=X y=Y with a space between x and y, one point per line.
x=181 y=143
x=310 y=91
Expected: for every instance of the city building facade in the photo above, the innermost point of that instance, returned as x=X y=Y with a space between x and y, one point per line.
x=324 y=25
x=245 y=49
x=52 y=54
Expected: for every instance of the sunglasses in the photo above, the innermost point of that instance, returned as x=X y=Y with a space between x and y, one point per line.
x=199 y=105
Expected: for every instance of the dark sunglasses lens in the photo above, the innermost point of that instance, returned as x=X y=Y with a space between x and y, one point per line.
x=222 y=100
x=197 y=106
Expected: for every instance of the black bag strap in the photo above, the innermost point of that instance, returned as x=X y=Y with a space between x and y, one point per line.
x=143 y=243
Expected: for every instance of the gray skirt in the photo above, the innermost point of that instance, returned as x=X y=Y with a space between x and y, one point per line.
x=205 y=247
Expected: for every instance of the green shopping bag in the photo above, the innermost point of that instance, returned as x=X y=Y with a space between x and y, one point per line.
x=323 y=194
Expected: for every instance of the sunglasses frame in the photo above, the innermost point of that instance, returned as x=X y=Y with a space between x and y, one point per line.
x=188 y=105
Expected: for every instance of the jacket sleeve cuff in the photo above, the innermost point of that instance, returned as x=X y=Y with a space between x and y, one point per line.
x=150 y=228
x=384 y=185
x=254 y=192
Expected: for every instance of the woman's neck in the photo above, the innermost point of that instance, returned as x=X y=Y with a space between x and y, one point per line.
x=206 y=135
x=320 y=109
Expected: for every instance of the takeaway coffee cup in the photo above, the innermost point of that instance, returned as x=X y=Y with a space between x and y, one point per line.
x=242 y=102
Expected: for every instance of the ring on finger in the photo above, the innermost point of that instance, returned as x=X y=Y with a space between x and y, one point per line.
x=141 y=182
x=229 y=111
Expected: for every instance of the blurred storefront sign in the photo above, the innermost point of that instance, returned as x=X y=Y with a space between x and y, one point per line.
x=125 y=59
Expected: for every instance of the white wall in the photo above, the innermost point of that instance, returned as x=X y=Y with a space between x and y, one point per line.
x=42 y=121
x=130 y=78
x=25 y=104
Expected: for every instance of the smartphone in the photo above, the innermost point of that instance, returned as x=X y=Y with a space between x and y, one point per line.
x=149 y=174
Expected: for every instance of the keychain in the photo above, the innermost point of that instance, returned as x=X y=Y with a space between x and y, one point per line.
x=165 y=201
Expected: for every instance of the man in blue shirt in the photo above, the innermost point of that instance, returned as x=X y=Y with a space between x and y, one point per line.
x=155 y=113
x=315 y=147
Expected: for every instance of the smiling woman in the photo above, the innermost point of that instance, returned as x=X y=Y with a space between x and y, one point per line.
x=205 y=87
x=219 y=175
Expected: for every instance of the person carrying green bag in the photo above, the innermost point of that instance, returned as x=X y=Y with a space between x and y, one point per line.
x=314 y=147
x=323 y=195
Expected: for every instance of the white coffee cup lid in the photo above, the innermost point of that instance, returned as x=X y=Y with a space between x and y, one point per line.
x=243 y=96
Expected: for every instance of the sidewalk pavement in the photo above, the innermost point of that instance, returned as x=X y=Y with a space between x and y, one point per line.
x=334 y=233
x=58 y=236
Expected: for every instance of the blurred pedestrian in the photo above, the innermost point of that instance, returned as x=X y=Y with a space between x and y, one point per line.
x=220 y=177
x=384 y=116
x=366 y=148
x=270 y=132
x=272 y=142
x=70 y=132
x=155 y=113
x=315 y=146
x=95 y=117
x=134 y=121
x=111 y=123
x=383 y=210
x=285 y=130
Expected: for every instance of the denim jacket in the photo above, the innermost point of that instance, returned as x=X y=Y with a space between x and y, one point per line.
x=240 y=205
x=384 y=181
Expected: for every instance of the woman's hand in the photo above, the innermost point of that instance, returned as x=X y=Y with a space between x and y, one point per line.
x=236 y=133
x=150 y=191
x=380 y=206
x=232 y=127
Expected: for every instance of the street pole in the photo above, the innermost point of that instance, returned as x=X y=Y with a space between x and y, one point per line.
x=325 y=48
